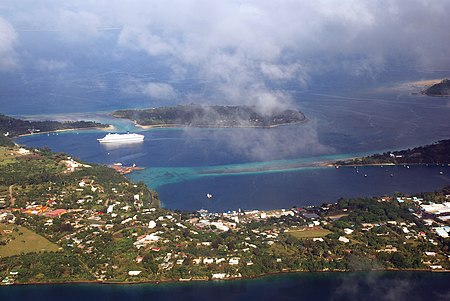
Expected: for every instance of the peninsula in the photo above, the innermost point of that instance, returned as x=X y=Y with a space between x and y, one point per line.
x=436 y=153
x=195 y=115
x=12 y=127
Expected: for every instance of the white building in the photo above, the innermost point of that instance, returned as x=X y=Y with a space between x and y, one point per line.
x=344 y=239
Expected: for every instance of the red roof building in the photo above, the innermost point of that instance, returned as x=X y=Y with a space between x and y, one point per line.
x=56 y=213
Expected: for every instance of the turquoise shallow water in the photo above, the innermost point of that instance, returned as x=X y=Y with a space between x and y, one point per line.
x=160 y=176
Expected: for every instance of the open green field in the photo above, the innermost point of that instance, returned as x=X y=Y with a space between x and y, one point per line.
x=5 y=155
x=309 y=233
x=23 y=241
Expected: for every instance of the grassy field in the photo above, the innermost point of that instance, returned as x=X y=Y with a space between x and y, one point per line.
x=27 y=242
x=306 y=233
x=5 y=155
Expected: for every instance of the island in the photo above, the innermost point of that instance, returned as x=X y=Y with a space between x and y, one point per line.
x=12 y=127
x=196 y=115
x=63 y=220
x=436 y=153
x=440 y=89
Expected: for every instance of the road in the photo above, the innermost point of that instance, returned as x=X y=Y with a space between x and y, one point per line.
x=12 y=199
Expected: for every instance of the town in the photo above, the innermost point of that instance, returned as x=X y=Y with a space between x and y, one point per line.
x=62 y=220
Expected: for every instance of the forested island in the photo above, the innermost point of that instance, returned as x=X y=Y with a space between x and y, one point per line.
x=12 y=127
x=63 y=220
x=440 y=89
x=195 y=115
x=437 y=153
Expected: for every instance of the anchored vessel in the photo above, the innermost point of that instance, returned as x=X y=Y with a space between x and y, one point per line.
x=121 y=138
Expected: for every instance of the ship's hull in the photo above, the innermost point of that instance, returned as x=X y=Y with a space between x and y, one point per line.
x=121 y=138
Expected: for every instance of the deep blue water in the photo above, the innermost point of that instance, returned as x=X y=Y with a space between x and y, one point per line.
x=377 y=286
x=298 y=188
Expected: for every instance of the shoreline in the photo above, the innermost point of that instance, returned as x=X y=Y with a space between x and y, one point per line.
x=385 y=164
x=110 y=127
x=208 y=279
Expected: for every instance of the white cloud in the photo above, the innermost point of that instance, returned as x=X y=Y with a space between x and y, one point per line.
x=76 y=26
x=240 y=47
x=50 y=65
x=141 y=39
x=161 y=91
x=154 y=90
x=8 y=39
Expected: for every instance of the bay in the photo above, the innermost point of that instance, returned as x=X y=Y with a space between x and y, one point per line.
x=255 y=168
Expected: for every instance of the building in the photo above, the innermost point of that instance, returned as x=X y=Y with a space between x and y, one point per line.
x=56 y=213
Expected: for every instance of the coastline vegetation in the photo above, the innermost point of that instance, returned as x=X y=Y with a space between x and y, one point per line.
x=12 y=127
x=436 y=153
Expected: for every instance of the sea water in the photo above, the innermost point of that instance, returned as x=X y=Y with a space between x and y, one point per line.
x=376 y=286
x=184 y=166
x=259 y=168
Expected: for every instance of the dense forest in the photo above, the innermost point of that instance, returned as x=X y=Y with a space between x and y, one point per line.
x=211 y=116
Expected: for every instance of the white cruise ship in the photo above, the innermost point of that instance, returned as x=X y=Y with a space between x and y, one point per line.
x=121 y=138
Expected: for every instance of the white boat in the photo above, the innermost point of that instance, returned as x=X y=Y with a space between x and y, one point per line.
x=121 y=138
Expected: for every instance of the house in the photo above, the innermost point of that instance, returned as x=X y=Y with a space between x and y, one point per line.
x=180 y=261
x=56 y=213
x=208 y=260
x=196 y=260
x=134 y=273
x=441 y=231
x=218 y=276
x=436 y=267
x=344 y=239
x=220 y=260
x=348 y=231
x=233 y=261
